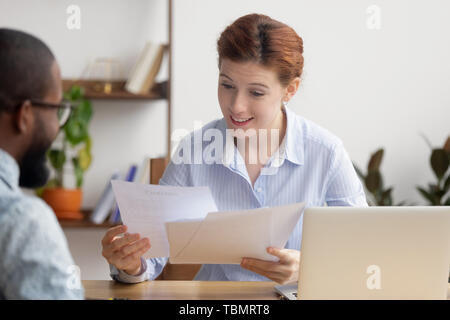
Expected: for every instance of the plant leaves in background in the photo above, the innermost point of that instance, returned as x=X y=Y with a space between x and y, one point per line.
x=88 y=143
x=373 y=181
x=436 y=191
x=74 y=93
x=430 y=197
x=439 y=162
x=386 y=197
x=84 y=158
x=83 y=111
x=447 y=203
x=78 y=172
x=433 y=188
x=447 y=184
x=447 y=145
x=375 y=160
x=76 y=131
x=57 y=158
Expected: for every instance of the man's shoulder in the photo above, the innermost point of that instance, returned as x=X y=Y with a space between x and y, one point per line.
x=26 y=211
x=31 y=228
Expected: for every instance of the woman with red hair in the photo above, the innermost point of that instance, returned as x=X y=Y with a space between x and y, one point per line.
x=292 y=160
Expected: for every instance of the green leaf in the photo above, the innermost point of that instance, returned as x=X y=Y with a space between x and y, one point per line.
x=430 y=197
x=57 y=158
x=439 y=162
x=387 y=192
x=386 y=197
x=84 y=158
x=89 y=143
x=78 y=172
x=83 y=111
x=439 y=193
x=375 y=160
x=433 y=188
x=74 y=93
x=373 y=181
x=76 y=131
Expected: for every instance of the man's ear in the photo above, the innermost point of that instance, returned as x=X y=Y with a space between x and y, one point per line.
x=24 y=118
x=292 y=88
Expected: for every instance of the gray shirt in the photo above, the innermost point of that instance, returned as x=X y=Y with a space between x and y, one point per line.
x=35 y=262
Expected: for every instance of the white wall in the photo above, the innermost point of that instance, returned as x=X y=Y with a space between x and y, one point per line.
x=86 y=248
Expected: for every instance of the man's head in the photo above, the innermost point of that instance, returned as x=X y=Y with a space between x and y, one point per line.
x=28 y=71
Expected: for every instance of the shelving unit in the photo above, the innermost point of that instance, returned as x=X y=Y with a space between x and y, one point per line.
x=118 y=92
x=159 y=90
x=85 y=223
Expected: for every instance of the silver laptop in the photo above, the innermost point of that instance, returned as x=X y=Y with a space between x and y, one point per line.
x=373 y=253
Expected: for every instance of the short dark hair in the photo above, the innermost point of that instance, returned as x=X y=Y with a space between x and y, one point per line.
x=25 y=68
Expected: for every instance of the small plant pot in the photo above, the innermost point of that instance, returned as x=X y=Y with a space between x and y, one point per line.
x=66 y=203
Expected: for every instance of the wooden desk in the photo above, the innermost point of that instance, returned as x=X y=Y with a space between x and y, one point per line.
x=183 y=290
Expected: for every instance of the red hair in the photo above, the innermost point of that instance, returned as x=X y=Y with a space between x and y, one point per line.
x=261 y=39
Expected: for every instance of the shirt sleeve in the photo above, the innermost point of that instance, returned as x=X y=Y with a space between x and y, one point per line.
x=35 y=258
x=343 y=187
x=150 y=270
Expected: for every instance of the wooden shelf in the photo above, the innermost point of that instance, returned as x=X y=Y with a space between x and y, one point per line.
x=84 y=223
x=94 y=90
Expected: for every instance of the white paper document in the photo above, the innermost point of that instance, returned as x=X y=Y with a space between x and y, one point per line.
x=183 y=224
x=227 y=237
x=146 y=208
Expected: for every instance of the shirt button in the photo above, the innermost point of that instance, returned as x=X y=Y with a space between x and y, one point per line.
x=258 y=190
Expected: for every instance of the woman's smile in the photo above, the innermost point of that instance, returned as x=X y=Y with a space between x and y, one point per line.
x=240 y=121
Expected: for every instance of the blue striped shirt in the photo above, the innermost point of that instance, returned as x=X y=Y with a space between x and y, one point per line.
x=313 y=167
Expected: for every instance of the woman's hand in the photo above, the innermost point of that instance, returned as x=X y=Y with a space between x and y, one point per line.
x=124 y=252
x=284 y=271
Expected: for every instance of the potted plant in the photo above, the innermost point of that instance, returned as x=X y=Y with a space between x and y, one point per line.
x=440 y=163
x=373 y=182
x=75 y=146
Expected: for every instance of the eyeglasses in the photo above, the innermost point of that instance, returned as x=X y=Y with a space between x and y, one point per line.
x=65 y=109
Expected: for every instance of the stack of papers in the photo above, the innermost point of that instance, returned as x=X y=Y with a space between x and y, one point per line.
x=183 y=224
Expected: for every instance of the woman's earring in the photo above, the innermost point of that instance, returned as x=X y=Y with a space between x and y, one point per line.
x=285 y=103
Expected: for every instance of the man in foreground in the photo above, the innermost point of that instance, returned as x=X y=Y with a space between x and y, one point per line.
x=35 y=262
